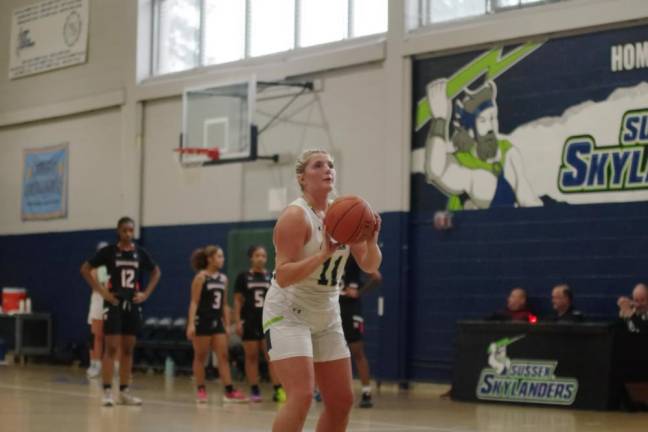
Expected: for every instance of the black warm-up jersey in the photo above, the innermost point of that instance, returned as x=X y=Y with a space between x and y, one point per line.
x=124 y=268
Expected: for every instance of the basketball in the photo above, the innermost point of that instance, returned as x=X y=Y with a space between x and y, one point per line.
x=350 y=220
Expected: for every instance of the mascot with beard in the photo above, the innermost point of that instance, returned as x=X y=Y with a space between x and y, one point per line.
x=474 y=166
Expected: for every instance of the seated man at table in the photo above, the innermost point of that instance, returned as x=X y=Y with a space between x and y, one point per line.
x=634 y=311
x=516 y=308
x=562 y=300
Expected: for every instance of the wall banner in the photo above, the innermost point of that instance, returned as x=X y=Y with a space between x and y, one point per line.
x=45 y=183
x=556 y=122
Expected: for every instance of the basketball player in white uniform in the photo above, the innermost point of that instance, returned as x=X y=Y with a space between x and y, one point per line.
x=301 y=314
x=95 y=320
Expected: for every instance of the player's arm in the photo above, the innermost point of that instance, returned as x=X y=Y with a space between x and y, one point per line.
x=226 y=309
x=515 y=175
x=374 y=280
x=290 y=235
x=239 y=300
x=154 y=278
x=86 y=272
x=196 y=289
x=367 y=254
x=441 y=169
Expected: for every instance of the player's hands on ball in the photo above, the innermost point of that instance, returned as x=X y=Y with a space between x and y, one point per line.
x=139 y=298
x=328 y=246
x=376 y=233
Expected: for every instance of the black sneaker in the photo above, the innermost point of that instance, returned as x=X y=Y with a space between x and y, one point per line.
x=366 y=402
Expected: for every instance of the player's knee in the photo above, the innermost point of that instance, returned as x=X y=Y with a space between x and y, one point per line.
x=341 y=403
x=357 y=353
x=252 y=357
x=111 y=351
x=200 y=357
x=223 y=356
x=127 y=350
x=301 y=399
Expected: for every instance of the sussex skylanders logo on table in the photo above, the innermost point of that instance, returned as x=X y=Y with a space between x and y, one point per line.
x=527 y=381
x=587 y=167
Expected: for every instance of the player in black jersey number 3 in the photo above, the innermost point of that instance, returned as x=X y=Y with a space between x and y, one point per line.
x=249 y=294
x=124 y=261
x=209 y=319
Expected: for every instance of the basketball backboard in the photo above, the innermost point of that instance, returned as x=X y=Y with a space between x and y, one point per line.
x=218 y=116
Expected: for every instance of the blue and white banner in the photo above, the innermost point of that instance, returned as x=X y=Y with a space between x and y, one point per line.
x=45 y=178
x=562 y=121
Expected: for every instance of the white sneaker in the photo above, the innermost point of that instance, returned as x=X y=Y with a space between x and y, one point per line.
x=107 y=398
x=93 y=371
x=125 y=398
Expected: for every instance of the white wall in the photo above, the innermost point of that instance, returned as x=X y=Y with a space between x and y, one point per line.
x=362 y=113
x=110 y=66
x=346 y=117
x=94 y=191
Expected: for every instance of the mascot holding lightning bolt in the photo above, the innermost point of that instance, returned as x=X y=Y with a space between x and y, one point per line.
x=465 y=155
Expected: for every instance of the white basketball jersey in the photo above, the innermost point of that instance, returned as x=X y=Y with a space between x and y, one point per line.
x=320 y=290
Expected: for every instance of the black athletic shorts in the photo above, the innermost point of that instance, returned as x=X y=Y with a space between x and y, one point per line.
x=125 y=318
x=252 y=330
x=209 y=325
x=353 y=326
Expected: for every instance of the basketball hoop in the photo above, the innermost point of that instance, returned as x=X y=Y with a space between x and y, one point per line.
x=213 y=154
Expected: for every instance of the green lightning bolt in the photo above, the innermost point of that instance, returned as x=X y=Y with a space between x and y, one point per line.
x=506 y=342
x=491 y=62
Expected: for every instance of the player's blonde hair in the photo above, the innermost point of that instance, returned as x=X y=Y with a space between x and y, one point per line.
x=303 y=160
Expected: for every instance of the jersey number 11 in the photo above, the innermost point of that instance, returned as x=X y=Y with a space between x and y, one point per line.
x=332 y=280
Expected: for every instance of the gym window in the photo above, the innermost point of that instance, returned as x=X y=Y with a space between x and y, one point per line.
x=187 y=34
x=428 y=12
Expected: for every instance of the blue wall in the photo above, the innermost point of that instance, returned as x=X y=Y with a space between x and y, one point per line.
x=48 y=266
x=467 y=272
x=601 y=250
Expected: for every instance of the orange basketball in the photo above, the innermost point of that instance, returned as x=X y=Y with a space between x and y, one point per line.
x=350 y=220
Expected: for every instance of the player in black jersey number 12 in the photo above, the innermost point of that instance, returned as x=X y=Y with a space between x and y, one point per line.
x=122 y=314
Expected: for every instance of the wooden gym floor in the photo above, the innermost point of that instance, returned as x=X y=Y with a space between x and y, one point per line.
x=53 y=399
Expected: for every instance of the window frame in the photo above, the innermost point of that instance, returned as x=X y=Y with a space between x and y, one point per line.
x=154 y=62
x=424 y=21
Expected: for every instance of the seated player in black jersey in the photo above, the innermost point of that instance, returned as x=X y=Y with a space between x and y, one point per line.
x=124 y=262
x=208 y=320
x=249 y=294
x=356 y=284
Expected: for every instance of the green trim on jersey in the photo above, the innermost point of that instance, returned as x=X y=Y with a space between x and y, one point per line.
x=272 y=321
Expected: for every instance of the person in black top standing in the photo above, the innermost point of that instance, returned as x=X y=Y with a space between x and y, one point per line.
x=208 y=320
x=356 y=284
x=249 y=295
x=125 y=262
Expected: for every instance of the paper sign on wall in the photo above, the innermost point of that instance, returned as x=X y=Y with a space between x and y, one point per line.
x=49 y=35
x=45 y=178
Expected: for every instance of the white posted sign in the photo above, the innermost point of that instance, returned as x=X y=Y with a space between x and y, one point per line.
x=48 y=35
